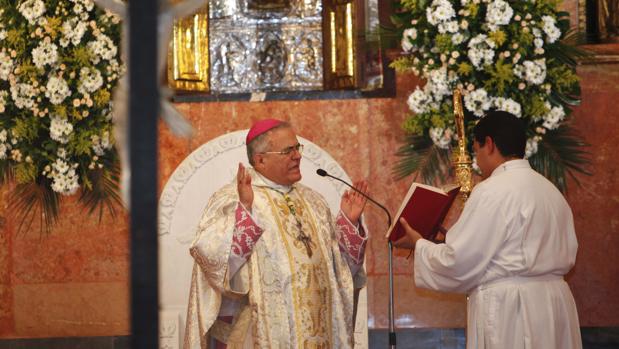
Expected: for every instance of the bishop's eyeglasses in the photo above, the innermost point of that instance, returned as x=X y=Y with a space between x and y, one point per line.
x=297 y=147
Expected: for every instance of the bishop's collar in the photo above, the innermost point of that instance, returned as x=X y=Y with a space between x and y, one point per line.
x=261 y=181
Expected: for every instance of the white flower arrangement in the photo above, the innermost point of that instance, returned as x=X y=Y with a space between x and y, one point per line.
x=501 y=54
x=59 y=62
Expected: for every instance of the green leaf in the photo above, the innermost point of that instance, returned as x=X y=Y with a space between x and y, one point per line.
x=562 y=152
x=27 y=128
x=465 y=69
x=80 y=56
x=444 y=43
x=535 y=106
x=498 y=37
x=402 y=64
x=35 y=200
x=419 y=155
x=104 y=189
x=500 y=74
x=563 y=78
x=25 y=172
x=80 y=143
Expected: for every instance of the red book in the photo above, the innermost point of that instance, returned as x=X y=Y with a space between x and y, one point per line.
x=424 y=208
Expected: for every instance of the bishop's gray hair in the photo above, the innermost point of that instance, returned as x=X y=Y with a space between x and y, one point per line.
x=261 y=143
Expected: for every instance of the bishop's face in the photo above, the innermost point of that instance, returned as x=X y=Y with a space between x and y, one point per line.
x=281 y=168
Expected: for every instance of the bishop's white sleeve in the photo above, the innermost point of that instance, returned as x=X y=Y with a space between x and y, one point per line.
x=459 y=264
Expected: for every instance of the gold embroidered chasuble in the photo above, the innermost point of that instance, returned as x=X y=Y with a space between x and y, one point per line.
x=288 y=298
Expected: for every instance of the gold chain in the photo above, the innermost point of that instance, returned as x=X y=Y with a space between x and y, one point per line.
x=302 y=236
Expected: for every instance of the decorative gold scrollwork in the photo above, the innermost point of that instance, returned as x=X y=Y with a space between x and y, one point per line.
x=461 y=158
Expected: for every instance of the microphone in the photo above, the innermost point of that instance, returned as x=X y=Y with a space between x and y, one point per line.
x=392 y=336
x=324 y=173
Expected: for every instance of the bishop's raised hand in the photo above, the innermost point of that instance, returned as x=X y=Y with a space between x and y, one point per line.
x=353 y=203
x=243 y=186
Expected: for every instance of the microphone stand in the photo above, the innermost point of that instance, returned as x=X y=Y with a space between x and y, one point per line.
x=392 y=336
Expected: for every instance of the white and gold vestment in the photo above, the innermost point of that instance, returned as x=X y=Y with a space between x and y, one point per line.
x=283 y=296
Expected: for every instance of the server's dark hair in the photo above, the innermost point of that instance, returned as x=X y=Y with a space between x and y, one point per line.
x=506 y=131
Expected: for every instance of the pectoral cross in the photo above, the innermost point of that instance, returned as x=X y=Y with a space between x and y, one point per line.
x=307 y=241
x=302 y=237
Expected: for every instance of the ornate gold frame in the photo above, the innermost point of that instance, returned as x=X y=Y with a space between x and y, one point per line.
x=188 y=56
x=340 y=44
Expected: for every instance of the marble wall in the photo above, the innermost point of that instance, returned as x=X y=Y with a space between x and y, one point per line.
x=74 y=281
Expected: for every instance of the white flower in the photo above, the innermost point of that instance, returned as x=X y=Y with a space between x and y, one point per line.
x=31 y=10
x=6 y=66
x=78 y=8
x=531 y=147
x=3 y=136
x=65 y=179
x=539 y=43
x=88 y=4
x=498 y=13
x=552 y=32
x=553 y=119
x=73 y=30
x=477 y=101
x=448 y=27
x=3 y=34
x=101 y=144
x=3 y=97
x=90 y=80
x=408 y=35
x=457 y=38
x=57 y=90
x=481 y=51
x=102 y=47
x=439 y=11
x=3 y=150
x=508 y=105
x=16 y=155
x=45 y=53
x=441 y=137
x=531 y=71
x=60 y=129
x=23 y=95
x=537 y=33
x=439 y=83
x=418 y=101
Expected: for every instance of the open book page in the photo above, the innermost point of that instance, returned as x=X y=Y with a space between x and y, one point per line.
x=424 y=207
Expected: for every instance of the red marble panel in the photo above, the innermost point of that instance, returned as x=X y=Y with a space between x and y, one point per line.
x=5 y=238
x=413 y=307
x=6 y=310
x=71 y=309
x=595 y=203
x=571 y=6
x=6 y=294
x=78 y=249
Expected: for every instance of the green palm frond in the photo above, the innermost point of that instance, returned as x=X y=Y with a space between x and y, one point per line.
x=419 y=154
x=566 y=51
x=562 y=152
x=5 y=172
x=34 y=200
x=103 y=191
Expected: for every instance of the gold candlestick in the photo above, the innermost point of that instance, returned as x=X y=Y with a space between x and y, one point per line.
x=461 y=159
